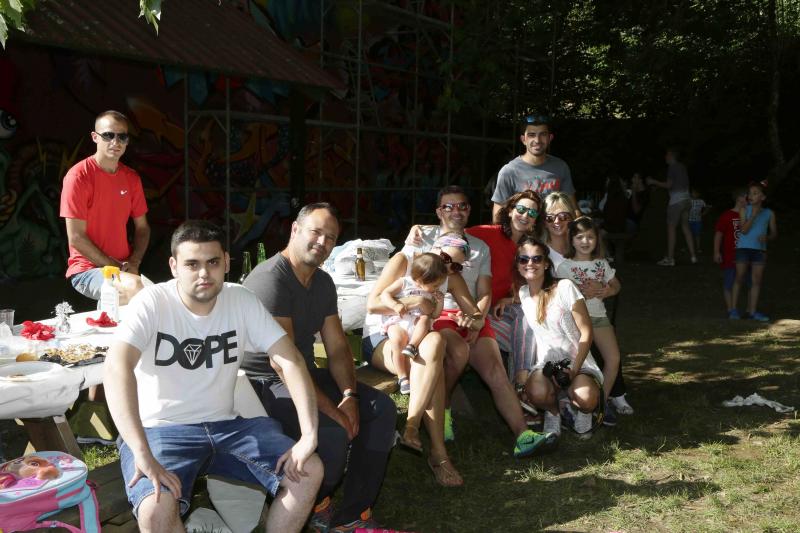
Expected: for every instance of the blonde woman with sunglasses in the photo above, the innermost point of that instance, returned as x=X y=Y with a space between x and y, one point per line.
x=559 y=211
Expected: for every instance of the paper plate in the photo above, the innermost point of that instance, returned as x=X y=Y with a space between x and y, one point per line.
x=29 y=371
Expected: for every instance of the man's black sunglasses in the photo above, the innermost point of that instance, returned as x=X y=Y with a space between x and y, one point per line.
x=461 y=206
x=108 y=136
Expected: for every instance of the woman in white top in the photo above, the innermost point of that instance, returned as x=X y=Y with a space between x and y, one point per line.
x=556 y=311
x=559 y=212
x=427 y=394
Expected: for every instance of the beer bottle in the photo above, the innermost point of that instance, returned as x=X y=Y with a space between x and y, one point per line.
x=361 y=266
x=246 y=266
x=262 y=253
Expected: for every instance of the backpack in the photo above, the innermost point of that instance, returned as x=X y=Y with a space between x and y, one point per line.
x=41 y=484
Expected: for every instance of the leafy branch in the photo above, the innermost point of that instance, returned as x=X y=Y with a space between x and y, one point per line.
x=12 y=15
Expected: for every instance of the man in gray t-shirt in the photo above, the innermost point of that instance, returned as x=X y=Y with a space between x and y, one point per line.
x=535 y=169
x=353 y=417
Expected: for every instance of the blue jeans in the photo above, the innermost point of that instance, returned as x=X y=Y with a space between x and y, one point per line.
x=246 y=449
x=88 y=282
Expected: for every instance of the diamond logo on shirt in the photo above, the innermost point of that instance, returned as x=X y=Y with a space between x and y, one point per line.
x=123 y=192
x=192 y=352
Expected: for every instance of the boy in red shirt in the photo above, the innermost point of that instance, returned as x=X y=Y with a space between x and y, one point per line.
x=726 y=233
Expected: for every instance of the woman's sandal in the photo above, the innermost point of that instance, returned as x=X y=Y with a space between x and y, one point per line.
x=410 y=439
x=444 y=473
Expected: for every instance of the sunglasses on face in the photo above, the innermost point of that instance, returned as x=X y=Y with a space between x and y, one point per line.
x=525 y=259
x=562 y=217
x=457 y=267
x=461 y=206
x=536 y=119
x=109 y=136
x=521 y=209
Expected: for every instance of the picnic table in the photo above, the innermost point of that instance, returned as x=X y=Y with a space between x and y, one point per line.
x=41 y=404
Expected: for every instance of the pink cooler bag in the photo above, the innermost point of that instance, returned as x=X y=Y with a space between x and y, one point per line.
x=41 y=484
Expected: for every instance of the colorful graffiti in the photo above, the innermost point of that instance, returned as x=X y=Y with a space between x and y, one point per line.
x=31 y=242
x=75 y=88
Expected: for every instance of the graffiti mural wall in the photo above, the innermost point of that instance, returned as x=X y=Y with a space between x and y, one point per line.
x=47 y=110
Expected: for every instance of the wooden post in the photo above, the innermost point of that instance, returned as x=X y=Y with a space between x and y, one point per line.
x=51 y=433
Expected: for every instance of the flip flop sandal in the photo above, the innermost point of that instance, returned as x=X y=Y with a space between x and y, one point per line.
x=444 y=475
x=410 y=440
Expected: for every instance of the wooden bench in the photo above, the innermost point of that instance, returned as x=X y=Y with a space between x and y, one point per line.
x=367 y=375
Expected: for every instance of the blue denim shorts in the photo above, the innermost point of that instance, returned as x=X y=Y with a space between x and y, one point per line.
x=369 y=343
x=246 y=449
x=88 y=282
x=696 y=226
x=751 y=256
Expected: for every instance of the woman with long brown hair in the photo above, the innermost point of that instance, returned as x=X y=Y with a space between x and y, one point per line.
x=556 y=311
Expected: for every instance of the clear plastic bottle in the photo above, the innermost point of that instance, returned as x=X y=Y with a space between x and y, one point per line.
x=361 y=266
x=109 y=297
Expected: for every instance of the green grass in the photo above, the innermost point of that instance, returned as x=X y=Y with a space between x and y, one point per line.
x=681 y=463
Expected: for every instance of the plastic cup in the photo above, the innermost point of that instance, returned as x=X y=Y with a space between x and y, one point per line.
x=7 y=317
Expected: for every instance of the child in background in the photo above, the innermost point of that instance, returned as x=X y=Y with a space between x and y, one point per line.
x=697 y=211
x=585 y=261
x=758 y=226
x=406 y=329
x=726 y=235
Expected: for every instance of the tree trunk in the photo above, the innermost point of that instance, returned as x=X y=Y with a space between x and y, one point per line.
x=781 y=167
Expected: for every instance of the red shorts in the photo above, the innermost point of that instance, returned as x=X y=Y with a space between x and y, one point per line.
x=445 y=322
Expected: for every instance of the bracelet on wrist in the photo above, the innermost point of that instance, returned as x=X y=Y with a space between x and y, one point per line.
x=350 y=393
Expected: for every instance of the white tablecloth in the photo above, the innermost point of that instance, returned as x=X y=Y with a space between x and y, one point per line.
x=352 y=299
x=54 y=396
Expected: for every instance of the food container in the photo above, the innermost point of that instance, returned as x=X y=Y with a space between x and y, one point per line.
x=12 y=347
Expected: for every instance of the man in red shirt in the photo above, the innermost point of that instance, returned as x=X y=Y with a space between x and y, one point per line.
x=98 y=196
x=726 y=233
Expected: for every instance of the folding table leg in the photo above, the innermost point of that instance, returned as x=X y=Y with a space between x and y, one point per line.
x=51 y=433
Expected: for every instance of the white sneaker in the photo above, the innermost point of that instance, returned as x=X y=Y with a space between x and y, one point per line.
x=666 y=262
x=583 y=425
x=552 y=423
x=621 y=405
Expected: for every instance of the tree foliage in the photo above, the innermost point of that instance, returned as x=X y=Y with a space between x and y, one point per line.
x=12 y=15
x=635 y=59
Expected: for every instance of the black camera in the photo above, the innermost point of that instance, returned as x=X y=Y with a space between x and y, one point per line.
x=558 y=371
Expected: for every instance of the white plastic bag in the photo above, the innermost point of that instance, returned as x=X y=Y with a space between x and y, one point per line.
x=374 y=251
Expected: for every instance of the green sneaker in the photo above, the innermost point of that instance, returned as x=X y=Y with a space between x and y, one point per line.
x=449 y=434
x=530 y=441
